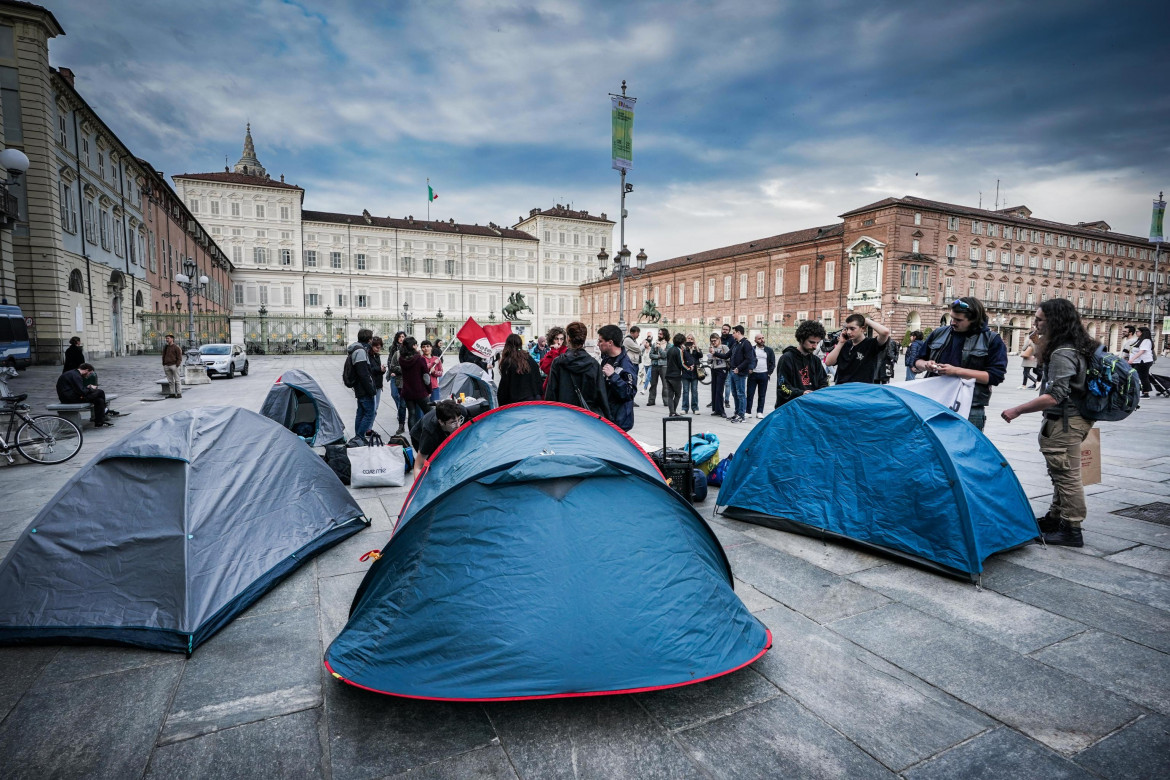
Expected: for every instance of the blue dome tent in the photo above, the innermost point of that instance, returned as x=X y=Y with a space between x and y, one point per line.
x=167 y=535
x=540 y=554
x=298 y=403
x=883 y=467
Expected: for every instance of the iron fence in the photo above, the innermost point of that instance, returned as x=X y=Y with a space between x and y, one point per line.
x=209 y=329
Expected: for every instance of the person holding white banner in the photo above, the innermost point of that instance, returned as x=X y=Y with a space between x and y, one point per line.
x=968 y=349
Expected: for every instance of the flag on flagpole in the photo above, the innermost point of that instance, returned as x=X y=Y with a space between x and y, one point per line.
x=472 y=336
x=497 y=334
x=431 y=194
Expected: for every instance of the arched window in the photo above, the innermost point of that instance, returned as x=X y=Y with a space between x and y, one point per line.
x=138 y=299
x=76 y=283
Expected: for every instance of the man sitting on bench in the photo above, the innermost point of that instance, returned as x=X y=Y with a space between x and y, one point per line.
x=71 y=389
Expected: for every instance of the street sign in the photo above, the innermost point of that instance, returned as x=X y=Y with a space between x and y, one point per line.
x=28 y=321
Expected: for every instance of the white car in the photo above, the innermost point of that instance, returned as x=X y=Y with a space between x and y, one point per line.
x=224 y=359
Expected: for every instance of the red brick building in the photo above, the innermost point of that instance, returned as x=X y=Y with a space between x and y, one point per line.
x=899 y=260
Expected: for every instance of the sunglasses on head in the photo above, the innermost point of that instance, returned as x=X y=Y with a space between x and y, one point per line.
x=959 y=303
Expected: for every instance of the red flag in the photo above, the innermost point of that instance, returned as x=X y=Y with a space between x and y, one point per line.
x=472 y=336
x=497 y=334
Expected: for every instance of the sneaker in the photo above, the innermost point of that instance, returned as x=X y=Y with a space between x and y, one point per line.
x=1022 y=387
x=759 y=415
x=1065 y=536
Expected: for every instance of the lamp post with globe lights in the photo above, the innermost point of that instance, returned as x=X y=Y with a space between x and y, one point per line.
x=191 y=285
x=15 y=162
x=621 y=267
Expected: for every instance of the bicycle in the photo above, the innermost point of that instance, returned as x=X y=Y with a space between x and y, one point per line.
x=43 y=439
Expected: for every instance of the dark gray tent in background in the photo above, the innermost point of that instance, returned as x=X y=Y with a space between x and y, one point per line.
x=167 y=535
x=297 y=402
x=470 y=379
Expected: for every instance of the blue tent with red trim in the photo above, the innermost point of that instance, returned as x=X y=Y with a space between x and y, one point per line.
x=885 y=468
x=540 y=553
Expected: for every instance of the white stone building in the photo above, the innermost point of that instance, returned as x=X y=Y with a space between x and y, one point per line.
x=363 y=267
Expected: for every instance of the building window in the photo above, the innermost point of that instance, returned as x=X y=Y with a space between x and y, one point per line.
x=976 y=227
x=803 y=279
x=917 y=218
x=68 y=211
x=830 y=274
x=194 y=206
x=779 y=285
x=363 y=300
x=239 y=293
x=313 y=298
x=407 y=264
x=669 y=294
x=237 y=254
x=429 y=265
x=76 y=283
x=259 y=211
x=286 y=257
x=360 y=260
x=743 y=286
x=952 y=223
x=284 y=212
x=915 y=246
x=102 y=166
x=973 y=252
x=759 y=285
x=310 y=258
x=335 y=259
x=235 y=209
x=214 y=205
x=260 y=256
x=727 y=288
x=711 y=290
x=952 y=252
x=105 y=228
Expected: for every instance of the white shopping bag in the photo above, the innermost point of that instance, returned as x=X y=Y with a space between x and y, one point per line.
x=377 y=466
x=950 y=391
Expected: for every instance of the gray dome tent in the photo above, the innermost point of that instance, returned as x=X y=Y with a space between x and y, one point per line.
x=168 y=534
x=470 y=379
x=298 y=403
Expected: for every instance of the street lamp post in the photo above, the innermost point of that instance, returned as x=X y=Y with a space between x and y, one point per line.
x=406 y=321
x=621 y=267
x=15 y=162
x=190 y=285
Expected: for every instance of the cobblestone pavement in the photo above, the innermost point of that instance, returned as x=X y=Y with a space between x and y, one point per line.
x=1058 y=667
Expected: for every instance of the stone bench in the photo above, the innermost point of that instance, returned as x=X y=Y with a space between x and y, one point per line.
x=72 y=412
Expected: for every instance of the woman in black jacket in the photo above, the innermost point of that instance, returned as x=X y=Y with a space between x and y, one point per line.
x=520 y=378
x=575 y=378
x=672 y=379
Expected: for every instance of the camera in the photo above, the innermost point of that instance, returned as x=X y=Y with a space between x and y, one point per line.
x=830 y=340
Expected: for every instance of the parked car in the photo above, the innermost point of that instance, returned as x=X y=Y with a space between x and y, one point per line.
x=14 y=342
x=224 y=359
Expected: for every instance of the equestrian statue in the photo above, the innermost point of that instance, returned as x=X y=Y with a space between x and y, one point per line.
x=649 y=312
x=516 y=304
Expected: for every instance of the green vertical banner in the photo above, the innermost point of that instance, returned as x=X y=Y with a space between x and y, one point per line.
x=623 y=133
x=1157 y=232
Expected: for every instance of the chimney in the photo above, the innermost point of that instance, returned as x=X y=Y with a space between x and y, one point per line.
x=534 y=212
x=67 y=75
x=282 y=178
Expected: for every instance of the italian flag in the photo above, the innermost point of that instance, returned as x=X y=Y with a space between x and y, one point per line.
x=431 y=195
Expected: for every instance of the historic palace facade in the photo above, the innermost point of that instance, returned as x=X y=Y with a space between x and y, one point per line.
x=901 y=261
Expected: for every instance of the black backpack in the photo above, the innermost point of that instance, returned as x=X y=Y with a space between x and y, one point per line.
x=347 y=377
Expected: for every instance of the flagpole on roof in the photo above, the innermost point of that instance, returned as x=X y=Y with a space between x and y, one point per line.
x=428 y=199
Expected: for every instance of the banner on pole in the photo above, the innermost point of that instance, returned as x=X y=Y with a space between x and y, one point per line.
x=623 y=133
x=472 y=336
x=497 y=334
x=1157 y=232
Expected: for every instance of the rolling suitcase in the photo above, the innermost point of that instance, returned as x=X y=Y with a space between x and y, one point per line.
x=676 y=464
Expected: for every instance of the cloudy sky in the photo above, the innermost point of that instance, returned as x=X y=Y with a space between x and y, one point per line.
x=753 y=118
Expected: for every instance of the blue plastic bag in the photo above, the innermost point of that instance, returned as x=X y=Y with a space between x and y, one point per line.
x=715 y=478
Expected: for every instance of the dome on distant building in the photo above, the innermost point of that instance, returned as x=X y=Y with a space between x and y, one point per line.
x=248 y=163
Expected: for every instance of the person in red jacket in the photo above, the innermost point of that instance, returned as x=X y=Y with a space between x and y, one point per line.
x=416 y=379
x=556 y=347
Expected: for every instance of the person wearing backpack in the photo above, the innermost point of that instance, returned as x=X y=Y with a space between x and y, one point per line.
x=1065 y=358
x=356 y=374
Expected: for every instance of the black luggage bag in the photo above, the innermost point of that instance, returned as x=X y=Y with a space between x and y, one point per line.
x=675 y=464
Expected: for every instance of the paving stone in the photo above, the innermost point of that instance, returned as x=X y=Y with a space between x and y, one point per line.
x=1111 y=577
x=298 y=590
x=892 y=715
x=778 y=738
x=255 y=668
x=1021 y=627
x=371 y=735
x=728 y=537
x=489 y=763
x=752 y=598
x=284 y=747
x=13 y=523
x=837 y=557
x=996 y=755
x=592 y=736
x=1002 y=576
x=1049 y=705
x=1101 y=544
x=76 y=662
x=1135 y=530
x=336 y=596
x=1145 y=557
x=1140 y=751
x=808 y=589
x=1119 y=616
x=346 y=557
x=22 y=666
x=98 y=727
x=686 y=706
x=1134 y=671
